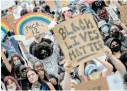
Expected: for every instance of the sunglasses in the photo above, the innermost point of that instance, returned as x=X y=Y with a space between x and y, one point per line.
x=23 y=70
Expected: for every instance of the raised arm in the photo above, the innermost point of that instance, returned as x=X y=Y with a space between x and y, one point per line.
x=6 y=62
x=107 y=65
x=117 y=63
x=30 y=57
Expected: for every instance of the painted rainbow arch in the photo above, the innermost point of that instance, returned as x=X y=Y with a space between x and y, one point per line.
x=30 y=17
x=5 y=28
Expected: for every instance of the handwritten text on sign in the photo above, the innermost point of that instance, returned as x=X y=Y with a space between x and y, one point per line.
x=79 y=38
x=34 y=28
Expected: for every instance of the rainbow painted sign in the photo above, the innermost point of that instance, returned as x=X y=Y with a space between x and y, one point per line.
x=5 y=28
x=32 y=24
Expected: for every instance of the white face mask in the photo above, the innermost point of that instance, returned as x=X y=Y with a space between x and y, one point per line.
x=94 y=76
x=12 y=89
x=17 y=62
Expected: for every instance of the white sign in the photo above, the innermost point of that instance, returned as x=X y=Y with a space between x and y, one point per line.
x=115 y=82
x=112 y=13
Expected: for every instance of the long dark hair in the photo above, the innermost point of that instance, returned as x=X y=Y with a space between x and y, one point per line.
x=16 y=55
x=39 y=80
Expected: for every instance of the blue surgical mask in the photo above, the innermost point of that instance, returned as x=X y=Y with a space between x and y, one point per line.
x=17 y=62
x=105 y=29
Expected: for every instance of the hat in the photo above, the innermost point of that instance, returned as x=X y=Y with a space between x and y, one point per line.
x=65 y=9
x=101 y=23
x=89 y=68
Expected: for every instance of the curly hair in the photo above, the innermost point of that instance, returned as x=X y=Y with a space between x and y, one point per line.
x=37 y=50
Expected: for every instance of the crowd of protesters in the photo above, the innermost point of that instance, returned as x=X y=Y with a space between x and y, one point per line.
x=49 y=70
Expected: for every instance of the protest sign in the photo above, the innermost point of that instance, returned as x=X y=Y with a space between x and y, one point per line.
x=100 y=84
x=9 y=19
x=51 y=3
x=111 y=13
x=123 y=14
x=64 y=3
x=32 y=24
x=79 y=38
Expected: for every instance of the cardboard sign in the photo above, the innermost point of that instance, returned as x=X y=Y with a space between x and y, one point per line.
x=10 y=20
x=100 y=84
x=64 y=3
x=112 y=13
x=32 y=24
x=79 y=38
x=34 y=28
x=51 y=3
x=123 y=14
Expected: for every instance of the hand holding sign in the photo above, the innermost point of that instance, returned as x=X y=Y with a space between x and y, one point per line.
x=107 y=51
x=79 y=38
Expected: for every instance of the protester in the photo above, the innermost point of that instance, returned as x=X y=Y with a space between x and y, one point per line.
x=11 y=84
x=48 y=55
x=115 y=32
x=23 y=81
x=33 y=78
x=123 y=58
x=38 y=66
x=50 y=69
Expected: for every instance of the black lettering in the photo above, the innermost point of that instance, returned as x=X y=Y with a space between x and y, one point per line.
x=83 y=36
x=100 y=44
x=69 y=47
x=27 y=28
x=83 y=48
x=90 y=45
x=74 y=28
x=88 y=23
x=63 y=34
x=74 y=39
x=68 y=33
x=81 y=24
x=89 y=34
x=33 y=26
x=72 y=54
x=95 y=45
x=78 y=52
x=97 y=35
x=37 y=24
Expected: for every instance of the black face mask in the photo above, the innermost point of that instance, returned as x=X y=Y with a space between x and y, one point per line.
x=115 y=34
x=116 y=48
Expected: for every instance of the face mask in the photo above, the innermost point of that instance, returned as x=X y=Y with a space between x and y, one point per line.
x=94 y=76
x=105 y=29
x=116 y=34
x=115 y=49
x=12 y=89
x=17 y=62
